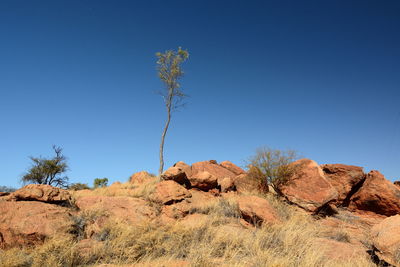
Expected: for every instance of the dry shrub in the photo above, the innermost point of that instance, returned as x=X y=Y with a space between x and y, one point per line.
x=271 y=167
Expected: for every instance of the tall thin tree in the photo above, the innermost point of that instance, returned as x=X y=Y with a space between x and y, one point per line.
x=170 y=71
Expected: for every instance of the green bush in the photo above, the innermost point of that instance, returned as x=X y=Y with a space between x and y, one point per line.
x=78 y=186
x=100 y=182
x=7 y=189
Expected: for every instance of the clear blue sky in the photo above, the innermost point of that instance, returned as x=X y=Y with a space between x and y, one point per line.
x=319 y=77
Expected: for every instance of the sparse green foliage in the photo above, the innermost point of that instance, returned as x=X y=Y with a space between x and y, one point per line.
x=7 y=189
x=78 y=186
x=271 y=167
x=100 y=182
x=170 y=71
x=48 y=171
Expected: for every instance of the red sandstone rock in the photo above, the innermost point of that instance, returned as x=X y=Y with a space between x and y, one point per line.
x=308 y=187
x=141 y=177
x=256 y=210
x=343 y=178
x=227 y=184
x=41 y=192
x=30 y=222
x=203 y=181
x=128 y=209
x=232 y=167
x=377 y=195
x=176 y=174
x=386 y=239
x=211 y=167
x=168 y=192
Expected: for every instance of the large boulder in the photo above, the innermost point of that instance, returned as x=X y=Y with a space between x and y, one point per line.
x=169 y=192
x=211 y=167
x=30 y=222
x=386 y=239
x=204 y=181
x=376 y=195
x=199 y=201
x=42 y=193
x=128 y=209
x=176 y=174
x=307 y=187
x=227 y=184
x=343 y=178
x=141 y=177
x=256 y=210
x=232 y=167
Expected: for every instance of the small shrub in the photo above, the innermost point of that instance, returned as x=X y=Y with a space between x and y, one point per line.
x=100 y=182
x=7 y=189
x=341 y=236
x=271 y=167
x=78 y=186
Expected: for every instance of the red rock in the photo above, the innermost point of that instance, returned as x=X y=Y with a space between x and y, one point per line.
x=203 y=181
x=168 y=192
x=128 y=209
x=27 y=223
x=141 y=177
x=256 y=210
x=386 y=239
x=41 y=192
x=232 y=167
x=227 y=184
x=396 y=183
x=197 y=203
x=343 y=178
x=377 y=195
x=3 y=194
x=308 y=187
x=182 y=165
x=176 y=174
x=342 y=251
x=211 y=167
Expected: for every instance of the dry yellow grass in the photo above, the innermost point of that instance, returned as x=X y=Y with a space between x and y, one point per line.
x=124 y=189
x=218 y=240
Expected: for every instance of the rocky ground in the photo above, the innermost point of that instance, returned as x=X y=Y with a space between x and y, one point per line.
x=207 y=214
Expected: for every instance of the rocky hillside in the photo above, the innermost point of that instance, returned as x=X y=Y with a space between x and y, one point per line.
x=208 y=214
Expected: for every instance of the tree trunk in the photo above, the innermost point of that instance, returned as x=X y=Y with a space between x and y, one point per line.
x=160 y=170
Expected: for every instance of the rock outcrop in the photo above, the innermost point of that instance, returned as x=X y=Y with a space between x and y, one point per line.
x=376 y=195
x=42 y=193
x=256 y=210
x=232 y=167
x=128 y=209
x=169 y=192
x=140 y=177
x=27 y=223
x=308 y=187
x=386 y=239
x=344 y=178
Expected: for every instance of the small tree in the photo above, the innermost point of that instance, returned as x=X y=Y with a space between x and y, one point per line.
x=78 y=186
x=100 y=182
x=271 y=167
x=48 y=171
x=7 y=189
x=169 y=71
